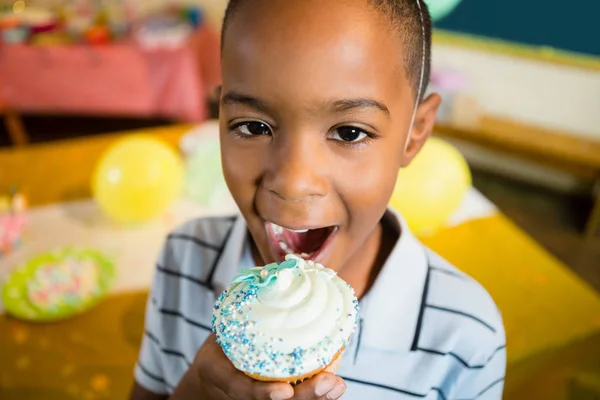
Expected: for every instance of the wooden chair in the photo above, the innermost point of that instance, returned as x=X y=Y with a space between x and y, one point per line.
x=594 y=220
x=14 y=125
x=576 y=155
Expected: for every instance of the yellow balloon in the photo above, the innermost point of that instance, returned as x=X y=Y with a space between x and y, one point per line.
x=137 y=179
x=432 y=186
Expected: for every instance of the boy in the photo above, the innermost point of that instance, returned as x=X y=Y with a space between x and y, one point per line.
x=317 y=115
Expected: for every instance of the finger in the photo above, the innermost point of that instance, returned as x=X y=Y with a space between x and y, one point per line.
x=241 y=387
x=325 y=385
x=237 y=385
x=271 y=391
x=338 y=390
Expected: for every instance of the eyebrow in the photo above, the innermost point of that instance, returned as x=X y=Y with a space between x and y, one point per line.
x=340 y=106
x=233 y=98
x=351 y=104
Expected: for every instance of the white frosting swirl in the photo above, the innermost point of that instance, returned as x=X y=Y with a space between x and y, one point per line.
x=291 y=327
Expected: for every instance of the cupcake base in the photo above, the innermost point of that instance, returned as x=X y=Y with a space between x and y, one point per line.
x=295 y=380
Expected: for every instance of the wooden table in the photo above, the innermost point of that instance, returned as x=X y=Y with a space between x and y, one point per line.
x=560 y=150
x=60 y=171
x=552 y=318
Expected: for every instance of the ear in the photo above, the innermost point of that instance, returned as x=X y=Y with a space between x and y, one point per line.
x=422 y=128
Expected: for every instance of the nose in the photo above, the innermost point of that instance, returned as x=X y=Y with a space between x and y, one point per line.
x=297 y=171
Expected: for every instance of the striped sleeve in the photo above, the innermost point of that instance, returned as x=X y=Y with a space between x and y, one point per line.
x=459 y=307
x=486 y=383
x=486 y=380
x=149 y=369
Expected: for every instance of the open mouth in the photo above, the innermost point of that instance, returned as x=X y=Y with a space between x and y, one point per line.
x=309 y=244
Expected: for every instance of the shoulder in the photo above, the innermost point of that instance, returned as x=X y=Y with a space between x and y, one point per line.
x=194 y=246
x=462 y=317
x=182 y=286
x=190 y=256
x=179 y=309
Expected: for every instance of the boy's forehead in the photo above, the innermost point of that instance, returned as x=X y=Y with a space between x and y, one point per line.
x=322 y=43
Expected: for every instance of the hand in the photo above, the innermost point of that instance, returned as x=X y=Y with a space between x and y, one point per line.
x=220 y=380
x=325 y=386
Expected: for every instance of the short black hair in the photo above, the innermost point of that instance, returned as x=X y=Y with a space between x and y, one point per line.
x=409 y=18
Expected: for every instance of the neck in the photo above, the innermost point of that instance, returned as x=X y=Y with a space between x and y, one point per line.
x=364 y=267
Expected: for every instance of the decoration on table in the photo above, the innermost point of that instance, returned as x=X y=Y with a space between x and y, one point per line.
x=432 y=187
x=13 y=219
x=163 y=31
x=15 y=35
x=38 y=19
x=58 y=285
x=96 y=23
x=137 y=179
x=8 y=20
x=97 y=35
x=441 y=8
x=50 y=39
x=204 y=180
x=194 y=15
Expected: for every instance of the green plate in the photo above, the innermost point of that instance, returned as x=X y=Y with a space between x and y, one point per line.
x=58 y=285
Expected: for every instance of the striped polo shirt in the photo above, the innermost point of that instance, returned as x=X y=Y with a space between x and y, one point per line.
x=426 y=330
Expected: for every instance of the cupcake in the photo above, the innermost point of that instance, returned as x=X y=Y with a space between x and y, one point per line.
x=285 y=322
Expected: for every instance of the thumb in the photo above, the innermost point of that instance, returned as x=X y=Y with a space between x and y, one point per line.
x=323 y=386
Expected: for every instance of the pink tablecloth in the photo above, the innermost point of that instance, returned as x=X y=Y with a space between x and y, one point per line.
x=119 y=79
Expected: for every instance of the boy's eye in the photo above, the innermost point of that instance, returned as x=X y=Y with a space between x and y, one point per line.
x=253 y=128
x=349 y=134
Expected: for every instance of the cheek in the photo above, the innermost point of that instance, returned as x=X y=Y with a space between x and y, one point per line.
x=241 y=171
x=368 y=192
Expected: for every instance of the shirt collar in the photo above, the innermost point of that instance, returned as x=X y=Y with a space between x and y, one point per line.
x=390 y=310
x=235 y=256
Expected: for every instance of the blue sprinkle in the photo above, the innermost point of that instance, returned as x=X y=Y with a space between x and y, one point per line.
x=297 y=354
x=225 y=312
x=226 y=346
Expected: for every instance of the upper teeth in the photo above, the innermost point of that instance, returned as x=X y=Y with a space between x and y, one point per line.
x=279 y=229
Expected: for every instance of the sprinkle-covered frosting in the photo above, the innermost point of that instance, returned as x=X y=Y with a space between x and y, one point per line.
x=285 y=320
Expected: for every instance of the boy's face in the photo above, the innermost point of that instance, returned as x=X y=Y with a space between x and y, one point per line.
x=315 y=112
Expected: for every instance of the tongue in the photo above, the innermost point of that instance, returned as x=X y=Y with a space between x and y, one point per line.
x=308 y=242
